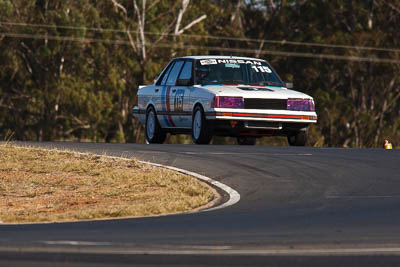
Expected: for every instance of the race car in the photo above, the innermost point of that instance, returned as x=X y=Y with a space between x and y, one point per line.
x=239 y=97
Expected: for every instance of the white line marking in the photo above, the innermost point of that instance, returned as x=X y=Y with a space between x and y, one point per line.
x=147 y=151
x=77 y=243
x=234 y=196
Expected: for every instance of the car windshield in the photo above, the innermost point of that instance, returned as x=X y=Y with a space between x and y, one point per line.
x=235 y=71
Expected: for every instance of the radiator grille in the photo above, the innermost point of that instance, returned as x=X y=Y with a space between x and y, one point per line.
x=257 y=103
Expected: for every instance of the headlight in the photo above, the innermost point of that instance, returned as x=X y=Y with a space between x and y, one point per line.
x=227 y=102
x=300 y=104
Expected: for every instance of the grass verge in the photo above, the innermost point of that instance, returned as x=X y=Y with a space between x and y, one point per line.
x=39 y=185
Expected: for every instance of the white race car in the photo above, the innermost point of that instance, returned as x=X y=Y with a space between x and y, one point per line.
x=223 y=95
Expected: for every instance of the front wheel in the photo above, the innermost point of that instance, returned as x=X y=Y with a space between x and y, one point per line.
x=154 y=133
x=201 y=133
x=298 y=138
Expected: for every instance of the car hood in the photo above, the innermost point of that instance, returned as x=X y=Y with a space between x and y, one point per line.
x=247 y=91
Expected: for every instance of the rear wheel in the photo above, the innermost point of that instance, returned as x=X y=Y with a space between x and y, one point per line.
x=201 y=132
x=298 y=138
x=246 y=140
x=154 y=133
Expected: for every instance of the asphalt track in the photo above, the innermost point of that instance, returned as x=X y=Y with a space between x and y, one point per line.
x=298 y=207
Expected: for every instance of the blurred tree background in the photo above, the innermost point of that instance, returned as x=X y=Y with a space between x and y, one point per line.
x=69 y=70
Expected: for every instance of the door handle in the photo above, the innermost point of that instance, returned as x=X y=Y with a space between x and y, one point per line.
x=173 y=90
x=157 y=90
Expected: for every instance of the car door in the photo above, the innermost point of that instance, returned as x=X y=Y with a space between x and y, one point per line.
x=166 y=116
x=159 y=96
x=180 y=93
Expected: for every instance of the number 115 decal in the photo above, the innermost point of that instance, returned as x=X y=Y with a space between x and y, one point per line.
x=261 y=69
x=178 y=103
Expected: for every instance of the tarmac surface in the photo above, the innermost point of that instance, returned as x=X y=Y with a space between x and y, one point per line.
x=299 y=206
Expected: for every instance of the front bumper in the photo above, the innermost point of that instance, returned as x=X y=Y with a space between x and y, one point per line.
x=255 y=115
x=259 y=123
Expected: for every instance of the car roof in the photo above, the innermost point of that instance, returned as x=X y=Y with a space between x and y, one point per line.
x=222 y=57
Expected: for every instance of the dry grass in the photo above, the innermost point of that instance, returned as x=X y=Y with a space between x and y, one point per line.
x=38 y=185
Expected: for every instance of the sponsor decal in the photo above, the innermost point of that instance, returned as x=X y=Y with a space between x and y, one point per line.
x=239 y=61
x=232 y=65
x=208 y=61
x=212 y=61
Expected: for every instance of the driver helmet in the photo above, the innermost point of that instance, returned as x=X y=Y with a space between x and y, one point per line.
x=202 y=73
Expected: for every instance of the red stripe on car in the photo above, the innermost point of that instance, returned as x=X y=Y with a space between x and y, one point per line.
x=168 y=106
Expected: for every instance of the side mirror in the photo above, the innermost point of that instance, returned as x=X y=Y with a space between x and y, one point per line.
x=289 y=85
x=183 y=82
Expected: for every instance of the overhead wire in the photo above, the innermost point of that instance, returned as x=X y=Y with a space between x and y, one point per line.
x=208 y=48
x=279 y=42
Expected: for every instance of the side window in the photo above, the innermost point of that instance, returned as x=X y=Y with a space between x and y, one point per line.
x=165 y=76
x=186 y=71
x=174 y=73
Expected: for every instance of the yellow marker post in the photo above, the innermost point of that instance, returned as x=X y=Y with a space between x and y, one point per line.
x=388 y=145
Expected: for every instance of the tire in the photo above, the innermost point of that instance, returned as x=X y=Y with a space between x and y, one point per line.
x=201 y=132
x=299 y=138
x=246 y=140
x=153 y=131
